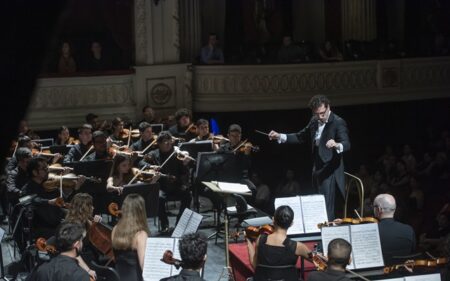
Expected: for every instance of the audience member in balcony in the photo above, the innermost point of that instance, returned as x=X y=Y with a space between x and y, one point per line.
x=288 y=52
x=329 y=52
x=66 y=62
x=97 y=60
x=211 y=53
x=288 y=186
x=409 y=159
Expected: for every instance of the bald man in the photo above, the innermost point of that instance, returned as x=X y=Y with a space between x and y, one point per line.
x=397 y=239
x=339 y=251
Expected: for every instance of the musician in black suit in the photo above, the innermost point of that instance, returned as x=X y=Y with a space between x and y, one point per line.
x=78 y=150
x=329 y=139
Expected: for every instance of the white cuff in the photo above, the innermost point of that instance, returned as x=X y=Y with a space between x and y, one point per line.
x=282 y=138
x=339 y=148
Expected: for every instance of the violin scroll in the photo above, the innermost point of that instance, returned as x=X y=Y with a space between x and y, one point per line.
x=113 y=209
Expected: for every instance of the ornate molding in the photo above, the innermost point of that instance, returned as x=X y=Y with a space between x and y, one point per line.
x=140 y=32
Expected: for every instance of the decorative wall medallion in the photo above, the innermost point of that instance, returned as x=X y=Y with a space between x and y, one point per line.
x=160 y=94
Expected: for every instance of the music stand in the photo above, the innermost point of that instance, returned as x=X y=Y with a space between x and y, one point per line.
x=194 y=148
x=45 y=142
x=150 y=193
x=61 y=149
x=157 y=128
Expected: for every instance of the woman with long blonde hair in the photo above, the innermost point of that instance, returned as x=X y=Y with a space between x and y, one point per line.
x=129 y=238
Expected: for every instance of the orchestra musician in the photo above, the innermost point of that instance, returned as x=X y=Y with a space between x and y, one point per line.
x=18 y=177
x=78 y=150
x=100 y=151
x=117 y=135
x=274 y=256
x=145 y=129
x=23 y=141
x=129 y=238
x=339 y=256
x=174 y=187
x=202 y=132
x=65 y=266
x=47 y=215
x=80 y=212
x=64 y=137
x=192 y=249
x=183 y=119
x=329 y=139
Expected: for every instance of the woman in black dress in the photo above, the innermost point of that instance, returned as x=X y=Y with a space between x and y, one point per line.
x=274 y=256
x=129 y=238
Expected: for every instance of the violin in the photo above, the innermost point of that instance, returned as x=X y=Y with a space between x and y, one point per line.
x=218 y=139
x=45 y=152
x=191 y=129
x=169 y=259
x=347 y=221
x=244 y=146
x=41 y=245
x=68 y=181
x=410 y=264
x=60 y=203
x=113 y=209
x=59 y=168
x=253 y=232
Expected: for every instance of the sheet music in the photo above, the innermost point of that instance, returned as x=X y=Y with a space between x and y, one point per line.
x=154 y=269
x=188 y=223
x=314 y=212
x=233 y=187
x=427 y=277
x=293 y=202
x=333 y=232
x=366 y=245
x=233 y=208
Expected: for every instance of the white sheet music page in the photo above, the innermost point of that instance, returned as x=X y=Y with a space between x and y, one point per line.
x=366 y=245
x=293 y=202
x=333 y=232
x=427 y=277
x=183 y=223
x=314 y=212
x=193 y=224
x=229 y=187
x=154 y=269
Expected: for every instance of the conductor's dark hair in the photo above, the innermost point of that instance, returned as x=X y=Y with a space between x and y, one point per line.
x=316 y=101
x=193 y=250
x=143 y=126
x=284 y=215
x=33 y=165
x=164 y=136
x=67 y=234
x=181 y=113
x=339 y=251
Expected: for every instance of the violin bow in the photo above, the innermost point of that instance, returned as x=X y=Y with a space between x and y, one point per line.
x=129 y=137
x=240 y=145
x=188 y=128
x=357 y=275
x=87 y=152
x=148 y=146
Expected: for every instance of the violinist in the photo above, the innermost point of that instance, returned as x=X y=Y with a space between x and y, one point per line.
x=183 y=119
x=122 y=173
x=18 y=177
x=80 y=212
x=100 y=151
x=92 y=119
x=274 y=256
x=175 y=187
x=25 y=130
x=397 y=239
x=145 y=129
x=64 y=137
x=47 y=215
x=65 y=266
x=339 y=256
x=78 y=150
x=117 y=135
x=149 y=116
x=202 y=132
x=193 y=256
x=23 y=141
x=129 y=238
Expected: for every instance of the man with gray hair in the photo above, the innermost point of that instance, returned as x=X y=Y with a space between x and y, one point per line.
x=397 y=239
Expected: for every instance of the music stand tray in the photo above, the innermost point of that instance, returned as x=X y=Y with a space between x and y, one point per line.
x=62 y=149
x=194 y=148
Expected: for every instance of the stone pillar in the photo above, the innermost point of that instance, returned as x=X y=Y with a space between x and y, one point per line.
x=190 y=30
x=359 y=20
x=157 y=32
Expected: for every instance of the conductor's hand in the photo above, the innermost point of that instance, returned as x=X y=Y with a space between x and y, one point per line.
x=274 y=135
x=331 y=143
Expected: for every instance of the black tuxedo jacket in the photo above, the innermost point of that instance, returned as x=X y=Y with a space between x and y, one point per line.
x=329 y=161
